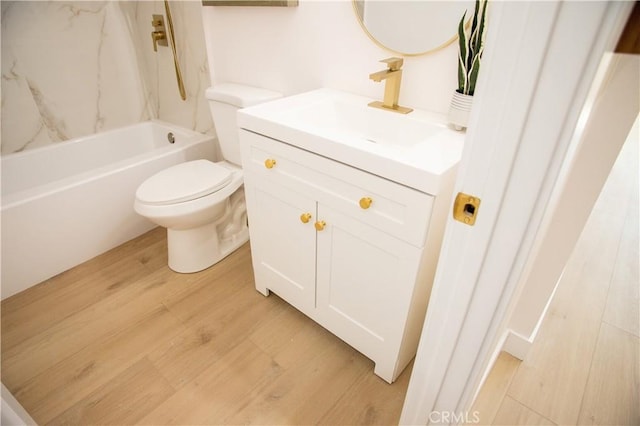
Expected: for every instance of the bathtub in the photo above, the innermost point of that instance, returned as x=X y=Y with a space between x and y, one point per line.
x=67 y=203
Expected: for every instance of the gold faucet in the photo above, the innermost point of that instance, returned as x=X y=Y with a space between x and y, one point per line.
x=393 y=76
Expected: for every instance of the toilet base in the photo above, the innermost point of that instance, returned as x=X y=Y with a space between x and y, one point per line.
x=193 y=250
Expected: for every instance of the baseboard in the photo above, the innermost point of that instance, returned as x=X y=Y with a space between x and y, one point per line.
x=516 y=344
x=12 y=413
x=510 y=342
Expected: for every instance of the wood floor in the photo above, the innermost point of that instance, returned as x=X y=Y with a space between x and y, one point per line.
x=584 y=368
x=121 y=339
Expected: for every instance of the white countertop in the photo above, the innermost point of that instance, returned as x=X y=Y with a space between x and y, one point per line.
x=330 y=123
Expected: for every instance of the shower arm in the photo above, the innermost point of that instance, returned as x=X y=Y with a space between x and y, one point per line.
x=172 y=41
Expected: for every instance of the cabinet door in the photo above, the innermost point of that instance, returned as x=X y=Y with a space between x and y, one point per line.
x=364 y=286
x=282 y=244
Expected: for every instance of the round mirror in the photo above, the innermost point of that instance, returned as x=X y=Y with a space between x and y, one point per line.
x=411 y=27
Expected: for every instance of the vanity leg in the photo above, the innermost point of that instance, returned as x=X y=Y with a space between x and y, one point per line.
x=262 y=290
x=385 y=370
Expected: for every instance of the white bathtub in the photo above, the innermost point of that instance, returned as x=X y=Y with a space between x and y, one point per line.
x=66 y=203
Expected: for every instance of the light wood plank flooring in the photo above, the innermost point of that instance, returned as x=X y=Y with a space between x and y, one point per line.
x=122 y=339
x=584 y=368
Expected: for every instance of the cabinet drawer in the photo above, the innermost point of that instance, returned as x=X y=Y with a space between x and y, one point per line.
x=393 y=208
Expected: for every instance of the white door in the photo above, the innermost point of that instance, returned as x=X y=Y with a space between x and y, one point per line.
x=364 y=299
x=535 y=77
x=283 y=242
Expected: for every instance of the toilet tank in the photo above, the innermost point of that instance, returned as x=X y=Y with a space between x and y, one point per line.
x=224 y=101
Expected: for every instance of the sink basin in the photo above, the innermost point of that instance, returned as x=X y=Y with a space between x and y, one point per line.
x=337 y=114
x=414 y=149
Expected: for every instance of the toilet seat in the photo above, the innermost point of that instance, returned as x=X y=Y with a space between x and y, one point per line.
x=183 y=182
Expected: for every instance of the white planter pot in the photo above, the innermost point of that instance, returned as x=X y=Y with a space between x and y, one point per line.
x=459 y=110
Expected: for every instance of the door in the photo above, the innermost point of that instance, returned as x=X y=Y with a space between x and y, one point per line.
x=512 y=156
x=364 y=286
x=283 y=242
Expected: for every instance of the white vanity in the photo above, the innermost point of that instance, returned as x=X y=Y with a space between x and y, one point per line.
x=347 y=206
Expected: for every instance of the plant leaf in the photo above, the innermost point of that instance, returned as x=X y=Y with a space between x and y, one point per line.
x=473 y=73
x=471 y=49
x=462 y=54
x=463 y=80
x=477 y=36
x=474 y=23
x=478 y=42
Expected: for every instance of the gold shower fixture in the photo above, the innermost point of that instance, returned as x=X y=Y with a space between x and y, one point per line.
x=183 y=93
x=159 y=34
x=160 y=37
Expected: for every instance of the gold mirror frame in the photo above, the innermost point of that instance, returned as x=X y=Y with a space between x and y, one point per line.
x=356 y=11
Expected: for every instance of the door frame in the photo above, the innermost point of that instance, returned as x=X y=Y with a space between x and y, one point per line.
x=540 y=60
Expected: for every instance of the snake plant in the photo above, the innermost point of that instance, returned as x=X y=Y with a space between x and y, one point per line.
x=471 y=49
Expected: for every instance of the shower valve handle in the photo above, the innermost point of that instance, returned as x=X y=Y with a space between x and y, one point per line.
x=157 y=36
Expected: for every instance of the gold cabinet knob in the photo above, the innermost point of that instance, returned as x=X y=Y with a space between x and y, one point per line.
x=320 y=225
x=269 y=163
x=305 y=217
x=365 y=202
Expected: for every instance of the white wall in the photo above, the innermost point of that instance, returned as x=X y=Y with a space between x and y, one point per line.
x=317 y=44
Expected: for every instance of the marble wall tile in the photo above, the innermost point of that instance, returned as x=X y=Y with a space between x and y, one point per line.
x=66 y=72
x=158 y=67
x=73 y=68
x=192 y=56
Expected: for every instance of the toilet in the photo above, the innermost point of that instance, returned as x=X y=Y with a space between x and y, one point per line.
x=201 y=203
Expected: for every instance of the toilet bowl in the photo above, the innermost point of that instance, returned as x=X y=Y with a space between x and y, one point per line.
x=191 y=200
x=201 y=203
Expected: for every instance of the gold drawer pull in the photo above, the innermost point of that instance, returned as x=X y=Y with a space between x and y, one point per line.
x=365 y=202
x=305 y=217
x=320 y=225
x=269 y=163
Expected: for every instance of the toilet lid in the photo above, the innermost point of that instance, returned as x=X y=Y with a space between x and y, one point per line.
x=183 y=182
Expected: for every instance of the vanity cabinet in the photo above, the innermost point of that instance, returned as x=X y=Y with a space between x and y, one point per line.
x=353 y=251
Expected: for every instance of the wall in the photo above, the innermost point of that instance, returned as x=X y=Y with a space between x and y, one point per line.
x=317 y=44
x=157 y=68
x=60 y=79
x=72 y=68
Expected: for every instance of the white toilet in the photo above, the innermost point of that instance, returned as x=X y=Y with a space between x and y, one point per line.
x=201 y=203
